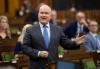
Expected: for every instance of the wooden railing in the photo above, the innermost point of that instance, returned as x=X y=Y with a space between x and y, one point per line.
x=76 y=55
x=70 y=55
x=7 y=44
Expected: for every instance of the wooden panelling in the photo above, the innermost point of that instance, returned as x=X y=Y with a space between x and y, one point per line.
x=2 y=6
x=35 y=3
x=89 y=13
x=13 y=6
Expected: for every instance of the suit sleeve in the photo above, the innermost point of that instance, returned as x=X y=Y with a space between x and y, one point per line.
x=27 y=43
x=87 y=45
x=70 y=30
x=18 y=48
x=66 y=29
x=67 y=43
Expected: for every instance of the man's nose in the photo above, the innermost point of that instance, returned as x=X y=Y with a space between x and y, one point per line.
x=43 y=14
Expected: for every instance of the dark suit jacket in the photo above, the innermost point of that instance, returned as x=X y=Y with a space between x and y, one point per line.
x=71 y=29
x=33 y=43
x=18 y=48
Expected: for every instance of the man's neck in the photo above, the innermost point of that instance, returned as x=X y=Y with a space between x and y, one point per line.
x=80 y=24
x=94 y=32
x=43 y=23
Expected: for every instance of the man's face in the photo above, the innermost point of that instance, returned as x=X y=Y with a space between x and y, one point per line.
x=53 y=15
x=93 y=27
x=44 y=14
x=80 y=18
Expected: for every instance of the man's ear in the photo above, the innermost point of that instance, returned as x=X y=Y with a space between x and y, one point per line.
x=50 y=17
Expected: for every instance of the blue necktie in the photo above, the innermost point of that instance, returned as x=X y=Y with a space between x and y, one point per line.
x=45 y=36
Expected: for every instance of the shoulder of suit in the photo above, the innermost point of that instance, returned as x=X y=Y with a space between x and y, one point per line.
x=89 y=36
x=55 y=26
x=31 y=28
x=34 y=26
x=72 y=23
x=99 y=35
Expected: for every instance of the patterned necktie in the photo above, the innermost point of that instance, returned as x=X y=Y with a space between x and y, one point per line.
x=45 y=36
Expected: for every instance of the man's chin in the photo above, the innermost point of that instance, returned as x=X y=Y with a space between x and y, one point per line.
x=81 y=23
x=44 y=22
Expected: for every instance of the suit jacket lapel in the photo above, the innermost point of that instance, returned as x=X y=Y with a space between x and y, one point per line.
x=40 y=36
x=51 y=35
x=75 y=28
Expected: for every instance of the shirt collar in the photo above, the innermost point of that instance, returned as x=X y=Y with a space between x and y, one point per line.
x=79 y=25
x=93 y=34
x=41 y=25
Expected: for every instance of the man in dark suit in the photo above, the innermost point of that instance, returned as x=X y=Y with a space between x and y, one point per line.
x=74 y=28
x=42 y=40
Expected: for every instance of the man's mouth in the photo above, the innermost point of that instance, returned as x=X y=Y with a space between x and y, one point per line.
x=44 y=18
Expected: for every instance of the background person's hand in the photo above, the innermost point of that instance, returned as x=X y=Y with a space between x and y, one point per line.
x=80 y=40
x=84 y=22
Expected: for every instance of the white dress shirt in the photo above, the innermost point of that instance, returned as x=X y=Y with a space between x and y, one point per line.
x=42 y=29
x=78 y=28
x=48 y=29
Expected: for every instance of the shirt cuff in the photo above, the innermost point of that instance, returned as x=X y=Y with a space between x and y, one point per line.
x=38 y=53
x=73 y=39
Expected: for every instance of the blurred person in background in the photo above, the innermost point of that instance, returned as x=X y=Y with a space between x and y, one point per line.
x=33 y=17
x=26 y=8
x=75 y=28
x=92 y=42
x=4 y=28
x=18 y=49
x=53 y=17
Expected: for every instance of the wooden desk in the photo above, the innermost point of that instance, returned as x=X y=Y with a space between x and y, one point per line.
x=96 y=58
x=76 y=55
x=70 y=55
x=9 y=64
x=7 y=44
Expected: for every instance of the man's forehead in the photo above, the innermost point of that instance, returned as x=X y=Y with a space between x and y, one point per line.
x=93 y=22
x=80 y=14
x=45 y=8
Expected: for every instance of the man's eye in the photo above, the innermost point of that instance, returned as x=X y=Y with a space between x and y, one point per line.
x=46 y=13
x=41 y=12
